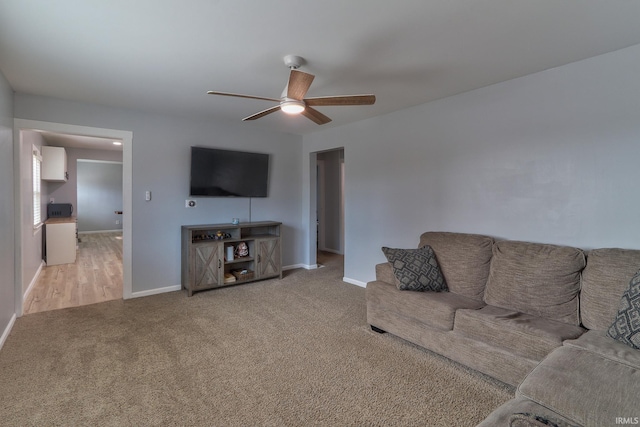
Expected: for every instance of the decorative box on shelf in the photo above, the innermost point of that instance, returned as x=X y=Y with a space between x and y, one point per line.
x=219 y=235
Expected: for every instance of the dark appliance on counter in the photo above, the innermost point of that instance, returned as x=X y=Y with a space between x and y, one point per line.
x=59 y=210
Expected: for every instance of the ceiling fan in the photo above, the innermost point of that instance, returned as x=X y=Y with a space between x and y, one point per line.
x=292 y=100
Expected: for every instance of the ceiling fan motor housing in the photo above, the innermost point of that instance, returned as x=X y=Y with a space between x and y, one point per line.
x=293 y=61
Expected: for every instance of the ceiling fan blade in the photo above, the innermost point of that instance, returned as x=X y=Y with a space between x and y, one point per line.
x=262 y=113
x=238 y=95
x=342 y=100
x=299 y=83
x=315 y=115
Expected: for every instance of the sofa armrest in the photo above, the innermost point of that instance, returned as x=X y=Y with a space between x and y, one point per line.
x=384 y=273
x=594 y=389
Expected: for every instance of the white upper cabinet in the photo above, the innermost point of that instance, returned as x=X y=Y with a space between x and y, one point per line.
x=54 y=164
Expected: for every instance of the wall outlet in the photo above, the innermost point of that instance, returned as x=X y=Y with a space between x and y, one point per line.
x=117 y=222
x=190 y=203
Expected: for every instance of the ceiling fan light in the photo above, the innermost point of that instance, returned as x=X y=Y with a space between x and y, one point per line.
x=292 y=106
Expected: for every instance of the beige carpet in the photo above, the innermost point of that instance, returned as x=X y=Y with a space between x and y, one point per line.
x=291 y=352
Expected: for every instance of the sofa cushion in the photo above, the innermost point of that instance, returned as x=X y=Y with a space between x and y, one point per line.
x=503 y=415
x=538 y=279
x=384 y=273
x=527 y=419
x=599 y=342
x=416 y=269
x=604 y=280
x=584 y=387
x=435 y=309
x=626 y=326
x=523 y=334
x=464 y=260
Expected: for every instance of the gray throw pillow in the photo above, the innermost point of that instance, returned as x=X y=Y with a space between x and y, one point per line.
x=416 y=269
x=626 y=326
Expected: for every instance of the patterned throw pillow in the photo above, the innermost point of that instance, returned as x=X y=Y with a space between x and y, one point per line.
x=416 y=269
x=626 y=327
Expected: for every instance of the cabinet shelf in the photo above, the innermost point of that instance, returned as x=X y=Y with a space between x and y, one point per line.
x=239 y=260
x=203 y=256
x=197 y=241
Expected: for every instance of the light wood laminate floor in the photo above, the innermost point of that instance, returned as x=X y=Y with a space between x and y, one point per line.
x=96 y=276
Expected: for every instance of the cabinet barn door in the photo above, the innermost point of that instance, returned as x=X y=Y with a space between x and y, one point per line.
x=207 y=266
x=269 y=257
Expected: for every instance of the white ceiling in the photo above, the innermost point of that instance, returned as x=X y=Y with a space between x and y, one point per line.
x=80 y=141
x=163 y=55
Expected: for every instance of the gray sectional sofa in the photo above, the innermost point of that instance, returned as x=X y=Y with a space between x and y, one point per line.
x=531 y=315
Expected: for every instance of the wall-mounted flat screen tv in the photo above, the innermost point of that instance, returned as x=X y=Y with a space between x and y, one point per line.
x=228 y=173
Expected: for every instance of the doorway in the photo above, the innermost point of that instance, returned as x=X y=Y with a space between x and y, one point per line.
x=94 y=188
x=330 y=206
x=126 y=137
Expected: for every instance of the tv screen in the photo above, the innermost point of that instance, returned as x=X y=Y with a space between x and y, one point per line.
x=228 y=173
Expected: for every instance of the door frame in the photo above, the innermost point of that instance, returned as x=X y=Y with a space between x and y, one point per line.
x=320 y=205
x=127 y=192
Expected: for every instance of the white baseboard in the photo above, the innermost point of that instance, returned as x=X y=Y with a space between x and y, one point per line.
x=179 y=287
x=288 y=267
x=7 y=330
x=33 y=281
x=101 y=231
x=155 y=291
x=331 y=251
x=355 y=282
x=305 y=266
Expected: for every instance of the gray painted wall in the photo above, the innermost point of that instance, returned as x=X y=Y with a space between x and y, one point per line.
x=67 y=192
x=161 y=164
x=7 y=259
x=550 y=157
x=99 y=195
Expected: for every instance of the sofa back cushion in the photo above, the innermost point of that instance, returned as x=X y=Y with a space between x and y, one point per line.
x=604 y=280
x=538 y=279
x=464 y=260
